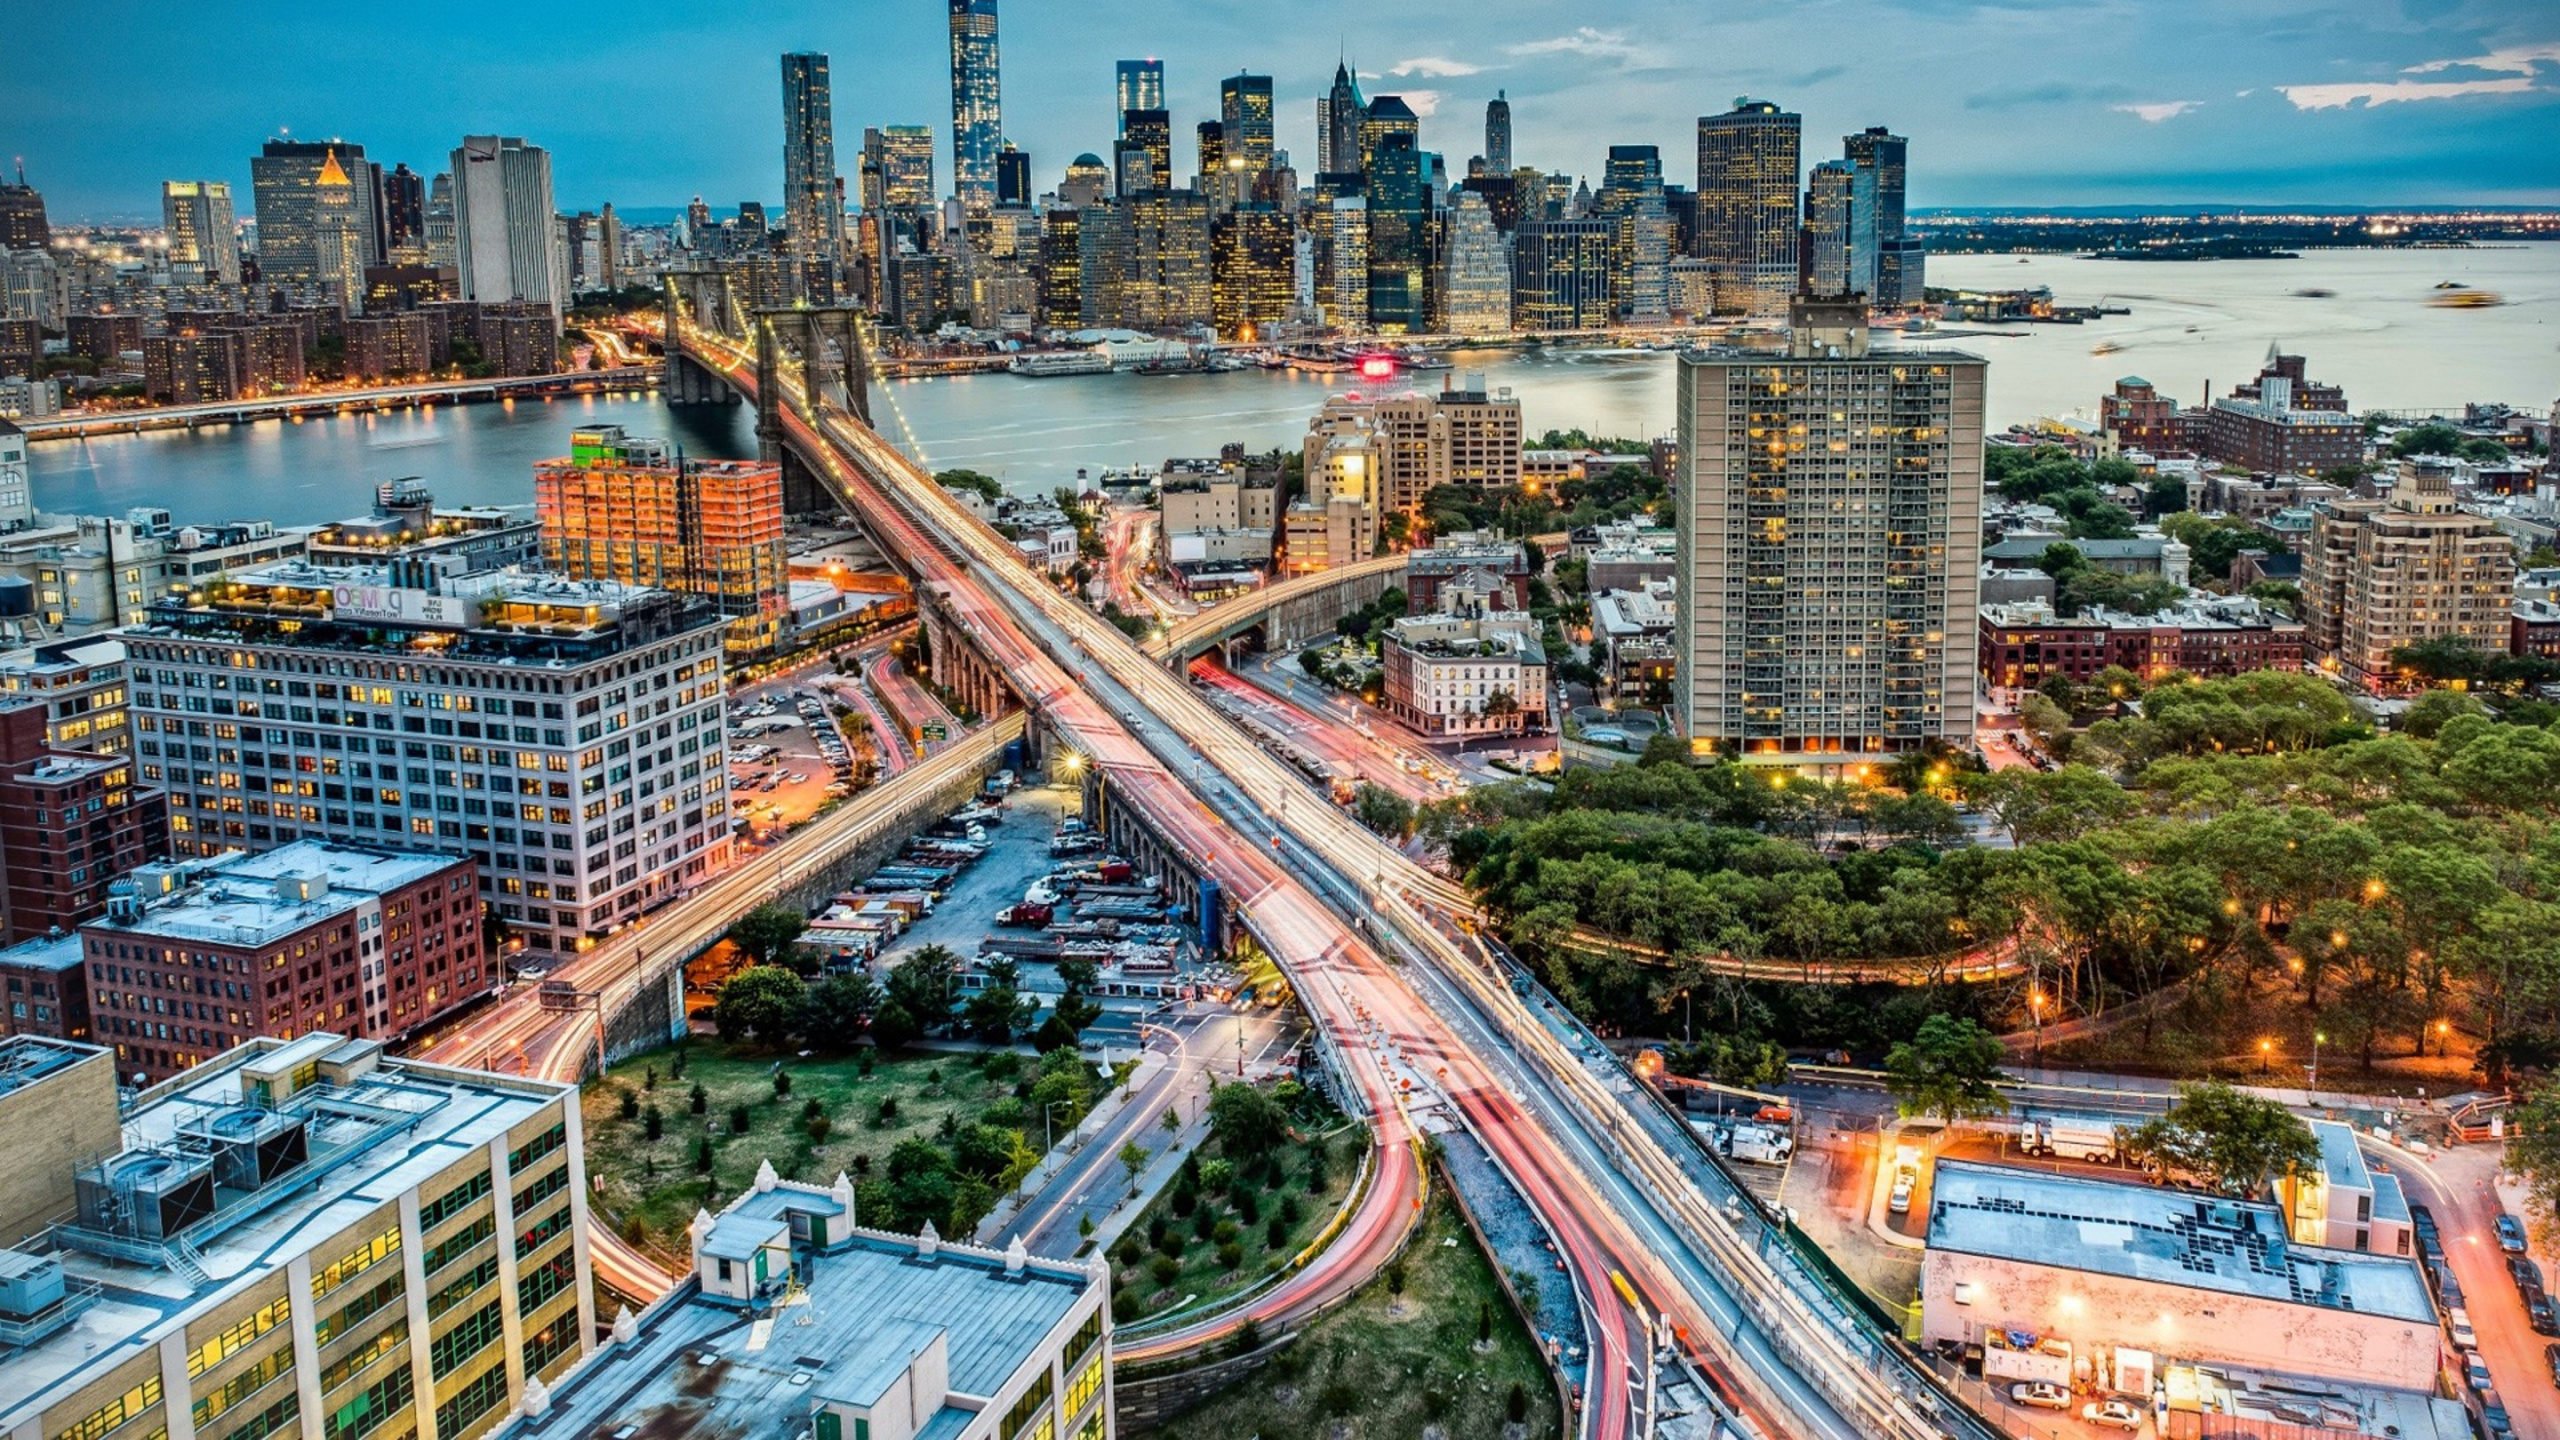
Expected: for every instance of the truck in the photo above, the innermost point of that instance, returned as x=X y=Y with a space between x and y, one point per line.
x=2070 y=1137
x=1026 y=914
x=1762 y=1144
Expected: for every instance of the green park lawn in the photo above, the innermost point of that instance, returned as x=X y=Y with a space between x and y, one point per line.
x=1385 y=1365
x=1188 y=1253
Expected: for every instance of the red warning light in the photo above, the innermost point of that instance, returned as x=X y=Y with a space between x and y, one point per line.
x=1378 y=367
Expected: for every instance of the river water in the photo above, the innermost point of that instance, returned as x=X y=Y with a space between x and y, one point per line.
x=2191 y=323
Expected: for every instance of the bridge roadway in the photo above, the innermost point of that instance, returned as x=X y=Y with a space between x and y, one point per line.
x=1788 y=1353
x=556 y=1044
x=334 y=402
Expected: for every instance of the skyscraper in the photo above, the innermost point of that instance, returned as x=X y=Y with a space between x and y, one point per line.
x=1475 y=291
x=897 y=167
x=197 y=214
x=1399 y=230
x=502 y=222
x=301 y=214
x=1560 y=275
x=1630 y=200
x=1748 y=164
x=1244 y=106
x=1339 y=116
x=404 y=209
x=620 y=507
x=1013 y=175
x=22 y=222
x=1885 y=261
x=1251 y=254
x=809 y=205
x=977 y=103
x=1346 y=270
x=1086 y=181
x=1387 y=115
x=1829 y=535
x=1141 y=85
x=1170 y=286
x=1146 y=151
x=1829 y=199
x=1497 y=135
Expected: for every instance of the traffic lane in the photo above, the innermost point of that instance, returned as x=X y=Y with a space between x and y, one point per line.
x=2465 y=1208
x=1325 y=742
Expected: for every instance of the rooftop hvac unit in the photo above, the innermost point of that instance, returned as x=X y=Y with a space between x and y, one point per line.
x=303 y=888
x=147 y=1195
x=29 y=1285
x=249 y=1145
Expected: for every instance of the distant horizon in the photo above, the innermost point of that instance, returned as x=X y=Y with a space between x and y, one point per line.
x=2401 y=103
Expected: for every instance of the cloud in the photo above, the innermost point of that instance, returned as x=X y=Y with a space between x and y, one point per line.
x=1423 y=103
x=1435 y=66
x=1600 y=44
x=2371 y=93
x=2156 y=111
x=2054 y=93
x=1818 y=74
x=2511 y=60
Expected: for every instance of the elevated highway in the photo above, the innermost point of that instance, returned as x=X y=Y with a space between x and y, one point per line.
x=1382 y=951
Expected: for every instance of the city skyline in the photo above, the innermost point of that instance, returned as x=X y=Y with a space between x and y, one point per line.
x=2397 y=110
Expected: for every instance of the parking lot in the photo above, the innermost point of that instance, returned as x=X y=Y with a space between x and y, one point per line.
x=787 y=758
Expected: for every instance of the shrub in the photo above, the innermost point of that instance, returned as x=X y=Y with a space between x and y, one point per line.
x=1248 y=1209
x=1275 y=1234
x=862 y=1164
x=1290 y=1210
x=1204 y=1222
x=738 y=1118
x=1224 y=1231
x=819 y=1127
x=652 y=1124
x=1516 y=1404
x=630 y=1104
x=701 y=1099
x=1230 y=1256
x=702 y=1154
x=1164 y=1269
x=888 y=1113
x=812 y=1110
x=781 y=1084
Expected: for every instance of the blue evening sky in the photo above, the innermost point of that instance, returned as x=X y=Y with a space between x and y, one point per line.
x=2006 y=102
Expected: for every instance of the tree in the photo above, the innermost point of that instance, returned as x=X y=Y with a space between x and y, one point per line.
x=1946 y=1070
x=2229 y=1141
x=1383 y=810
x=2533 y=1151
x=974 y=481
x=998 y=1012
x=925 y=988
x=761 y=1005
x=1248 y=1124
x=1133 y=1158
x=840 y=1010
x=767 y=931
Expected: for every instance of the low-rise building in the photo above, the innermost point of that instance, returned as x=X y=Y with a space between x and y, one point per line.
x=82 y=684
x=2109 y=1265
x=889 y=1337
x=1461 y=556
x=406 y=526
x=2248 y=1404
x=43 y=988
x=2283 y=422
x=2533 y=628
x=195 y=957
x=2344 y=1203
x=294 y=1237
x=1637 y=634
x=2139 y=417
x=2026 y=643
x=2159 y=555
x=1477 y=673
x=70 y=823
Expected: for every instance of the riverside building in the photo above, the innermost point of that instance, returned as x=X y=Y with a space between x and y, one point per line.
x=298 y=1237
x=567 y=735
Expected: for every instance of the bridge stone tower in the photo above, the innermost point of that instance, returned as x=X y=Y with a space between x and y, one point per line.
x=701 y=297
x=826 y=342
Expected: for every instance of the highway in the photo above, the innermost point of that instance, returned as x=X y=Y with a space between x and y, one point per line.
x=518 y=1034
x=332 y=402
x=1421 y=1002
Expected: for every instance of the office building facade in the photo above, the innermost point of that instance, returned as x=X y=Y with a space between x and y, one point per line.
x=567 y=735
x=1748 y=162
x=1560 y=275
x=1475 y=287
x=503 y=221
x=1139 y=85
x=71 y=822
x=1886 y=263
x=1829 y=541
x=202 y=231
x=315 y=210
x=977 y=103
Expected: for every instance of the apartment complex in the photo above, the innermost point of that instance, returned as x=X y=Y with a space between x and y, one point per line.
x=296 y=1237
x=2283 y=423
x=82 y=686
x=1829 y=538
x=195 y=957
x=2381 y=574
x=892 y=1337
x=70 y=823
x=565 y=734
x=1461 y=434
x=2025 y=643
x=1334 y=520
x=638 y=511
x=1472 y=671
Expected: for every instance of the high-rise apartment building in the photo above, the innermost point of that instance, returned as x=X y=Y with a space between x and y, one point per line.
x=316 y=1239
x=2283 y=422
x=639 y=511
x=1343 y=277
x=316 y=209
x=1244 y=108
x=1475 y=286
x=202 y=232
x=1886 y=262
x=977 y=103
x=1560 y=275
x=1139 y=85
x=1749 y=159
x=1828 y=261
x=567 y=735
x=1497 y=135
x=1829 y=537
x=809 y=182
x=503 y=223
x=2378 y=575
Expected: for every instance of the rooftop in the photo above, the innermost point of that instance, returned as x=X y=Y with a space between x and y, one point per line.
x=2165 y=1237
x=372 y=1138
x=2322 y=1406
x=57 y=951
x=25 y=1059
x=251 y=900
x=699 y=1370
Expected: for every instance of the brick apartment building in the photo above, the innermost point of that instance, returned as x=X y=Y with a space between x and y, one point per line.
x=2283 y=422
x=2141 y=418
x=2024 y=645
x=197 y=957
x=70 y=823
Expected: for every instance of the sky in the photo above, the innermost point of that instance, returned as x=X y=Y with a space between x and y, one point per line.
x=2006 y=102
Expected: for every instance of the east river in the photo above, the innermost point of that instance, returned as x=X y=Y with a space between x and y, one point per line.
x=2191 y=323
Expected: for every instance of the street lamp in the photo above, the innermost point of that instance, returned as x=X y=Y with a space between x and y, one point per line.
x=2265 y=1048
x=2313 y=1081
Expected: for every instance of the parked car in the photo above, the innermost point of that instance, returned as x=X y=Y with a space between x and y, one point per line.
x=2422 y=1219
x=2510 y=1234
x=2493 y=1417
x=2551 y=1357
x=2460 y=1321
x=2040 y=1395
x=2475 y=1371
x=2540 y=1313
x=2112 y=1414
x=1899 y=1202
x=2526 y=1274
